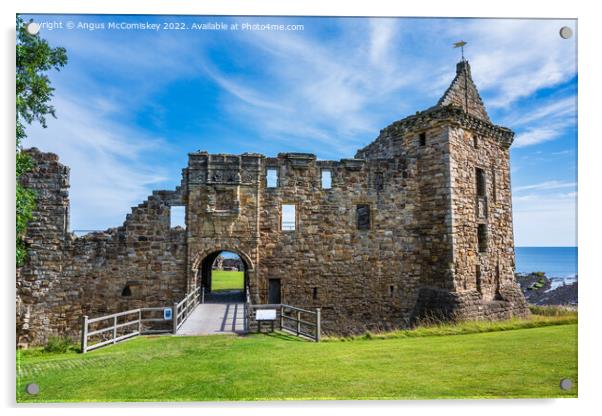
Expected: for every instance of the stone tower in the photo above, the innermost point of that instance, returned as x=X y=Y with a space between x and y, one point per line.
x=465 y=215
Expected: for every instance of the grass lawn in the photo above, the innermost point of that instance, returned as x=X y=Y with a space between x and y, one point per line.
x=513 y=363
x=222 y=280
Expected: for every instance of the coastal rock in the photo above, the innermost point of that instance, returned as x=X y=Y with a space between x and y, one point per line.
x=537 y=289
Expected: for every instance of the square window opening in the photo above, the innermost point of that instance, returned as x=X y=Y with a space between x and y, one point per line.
x=272 y=177
x=288 y=218
x=326 y=179
x=177 y=216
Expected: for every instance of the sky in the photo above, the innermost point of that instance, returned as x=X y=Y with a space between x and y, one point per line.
x=132 y=102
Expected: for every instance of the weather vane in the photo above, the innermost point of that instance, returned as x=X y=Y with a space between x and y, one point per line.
x=461 y=46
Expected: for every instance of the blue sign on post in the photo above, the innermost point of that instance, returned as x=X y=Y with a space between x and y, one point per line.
x=167 y=314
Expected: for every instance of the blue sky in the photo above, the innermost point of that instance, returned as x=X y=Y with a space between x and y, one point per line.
x=132 y=103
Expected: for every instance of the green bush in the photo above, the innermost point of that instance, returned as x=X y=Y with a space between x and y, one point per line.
x=58 y=344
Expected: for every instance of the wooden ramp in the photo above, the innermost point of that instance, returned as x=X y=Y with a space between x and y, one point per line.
x=219 y=315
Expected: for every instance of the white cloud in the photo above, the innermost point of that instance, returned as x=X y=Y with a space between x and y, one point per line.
x=326 y=94
x=541 y=133
x=545 y=122
x=109 y=173
x=513 y=58
x=547 y=185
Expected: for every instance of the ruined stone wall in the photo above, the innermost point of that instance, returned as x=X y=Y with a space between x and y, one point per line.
x=362 y=279
x=47 y=303
x=66 y=277
x=145 y=255
x=422 y=140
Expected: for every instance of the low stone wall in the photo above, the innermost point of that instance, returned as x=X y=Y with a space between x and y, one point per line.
x=436 y=305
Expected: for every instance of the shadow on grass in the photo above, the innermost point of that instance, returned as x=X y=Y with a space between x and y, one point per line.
x=282 y=336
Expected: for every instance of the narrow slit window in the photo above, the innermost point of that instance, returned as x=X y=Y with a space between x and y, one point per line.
x=494 y=184
x=482 y=238
x=475 y=141
x=391 y=290
x=480 y=175
x=326 y=178
x=422 y=139
x=478 y=277
x=272 y=178
x=177 y=216
x=288 y=218
x=315 y=293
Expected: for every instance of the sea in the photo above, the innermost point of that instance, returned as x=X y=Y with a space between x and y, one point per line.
x=558 y=263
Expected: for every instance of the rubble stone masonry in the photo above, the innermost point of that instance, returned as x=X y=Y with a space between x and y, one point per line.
x=417 y=225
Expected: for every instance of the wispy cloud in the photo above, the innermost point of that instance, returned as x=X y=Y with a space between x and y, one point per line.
x=327 y=90
x=546 y=186
x=109 y=173
x=517 y=57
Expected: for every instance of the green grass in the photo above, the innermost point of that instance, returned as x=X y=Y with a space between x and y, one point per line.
x=542 y=316
x=223 y=280
x=512 y=363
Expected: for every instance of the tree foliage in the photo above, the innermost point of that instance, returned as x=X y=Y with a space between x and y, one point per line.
x=34 y=59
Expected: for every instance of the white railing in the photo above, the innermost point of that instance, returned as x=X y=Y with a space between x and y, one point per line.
x=183 y=309
x=117 y=327
x=297 y=321
x=111 y=329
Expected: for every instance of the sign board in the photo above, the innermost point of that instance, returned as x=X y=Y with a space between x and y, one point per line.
x=167 y=314
x=265 y=314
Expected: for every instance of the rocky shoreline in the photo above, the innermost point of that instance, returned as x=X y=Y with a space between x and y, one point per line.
x=537 y=288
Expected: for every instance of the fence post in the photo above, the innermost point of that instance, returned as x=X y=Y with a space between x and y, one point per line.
x=174 y=317
x=140 y=321
x=281 y=316
x=298 y=322
x=84 y=333
x=318 y=325
x=114 y=329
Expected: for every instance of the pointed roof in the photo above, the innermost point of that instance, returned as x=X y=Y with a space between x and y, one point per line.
x=463 y=93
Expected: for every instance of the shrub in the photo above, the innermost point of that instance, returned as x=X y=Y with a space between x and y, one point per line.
x=58 y=344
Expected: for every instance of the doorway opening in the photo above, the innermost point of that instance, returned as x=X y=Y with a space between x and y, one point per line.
x=223 y=276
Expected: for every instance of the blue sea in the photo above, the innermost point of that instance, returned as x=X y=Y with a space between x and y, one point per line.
x=558 y=263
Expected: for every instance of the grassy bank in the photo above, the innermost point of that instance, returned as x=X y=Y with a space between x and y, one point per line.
x=226 y=280
x=541 y=316
x=512 y=363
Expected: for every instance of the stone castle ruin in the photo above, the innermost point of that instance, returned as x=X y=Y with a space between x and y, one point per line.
x=418 y=224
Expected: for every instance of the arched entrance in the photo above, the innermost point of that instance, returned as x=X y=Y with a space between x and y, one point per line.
x=223 y=274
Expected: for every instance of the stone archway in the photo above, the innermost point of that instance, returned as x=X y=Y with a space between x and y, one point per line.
x=201 y=268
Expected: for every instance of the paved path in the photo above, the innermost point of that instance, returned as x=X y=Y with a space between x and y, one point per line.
x=223 y=314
